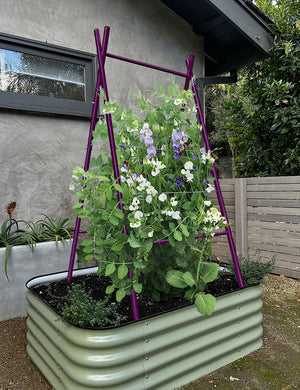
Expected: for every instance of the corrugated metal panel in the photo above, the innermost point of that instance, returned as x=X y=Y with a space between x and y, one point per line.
x=163 y=352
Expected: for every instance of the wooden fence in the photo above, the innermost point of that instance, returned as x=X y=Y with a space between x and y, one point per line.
x=265 y=217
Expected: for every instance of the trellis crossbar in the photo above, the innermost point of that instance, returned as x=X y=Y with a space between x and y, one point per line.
x=101 y=83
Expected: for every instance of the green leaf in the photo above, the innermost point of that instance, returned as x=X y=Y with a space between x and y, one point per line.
x=119 y=214
x=114 y=220
x=122 y=271
x=162 y=89
x=118 y=187
x=187 y=206
x=184 y=230
x=88 y=249
x=189 y=295
x=110 y=269
x=117 y=246
x=138 y=287
x=133 y=242
x=171 y=241
x=188 y=278
x=87 y=242
x=172 y=226
x=177 y=235
x=89 y=257
x=175 y=279
x=205 y=303
x=110 y=289
x=120 y=295
x=209 y=272
x=103 y=178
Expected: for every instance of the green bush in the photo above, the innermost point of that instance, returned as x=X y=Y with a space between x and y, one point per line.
x=254 y=270
x=80 y=309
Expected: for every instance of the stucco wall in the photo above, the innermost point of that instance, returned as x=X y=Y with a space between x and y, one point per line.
x=37 y=151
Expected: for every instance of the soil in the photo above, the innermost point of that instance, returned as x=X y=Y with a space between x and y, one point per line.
x=53 y=294
x=275 y=366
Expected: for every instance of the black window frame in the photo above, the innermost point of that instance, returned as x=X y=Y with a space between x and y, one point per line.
x=45 y=104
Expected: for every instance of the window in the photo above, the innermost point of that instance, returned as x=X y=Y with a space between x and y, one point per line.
x=39 y=77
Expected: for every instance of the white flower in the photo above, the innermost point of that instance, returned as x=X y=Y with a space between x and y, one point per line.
x=178 y=101
x=173 y=202
x=149 y=199
x=189 y=177
x=183 y=172
x=210 y=188
x=155 y=173
x=150 y=234
x=138 y=215
x=151 y=191
x=129 y=181
x=124 y=169
x=176 y=215
x=188 y=165
x=145 y=126
x=135 y=224
x=162 y=197
x=134 y=204
x=72 y=187
x=207 y=203
x=110 y=110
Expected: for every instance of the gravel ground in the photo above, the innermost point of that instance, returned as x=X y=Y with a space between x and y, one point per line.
x=274 y=367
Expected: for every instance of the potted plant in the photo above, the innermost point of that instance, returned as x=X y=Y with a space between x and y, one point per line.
x=142 y=229
x=22 y=246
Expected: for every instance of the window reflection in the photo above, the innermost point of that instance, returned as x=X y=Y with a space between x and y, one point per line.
x=36 y=75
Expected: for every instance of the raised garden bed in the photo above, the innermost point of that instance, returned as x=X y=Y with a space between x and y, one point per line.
x=163 y=351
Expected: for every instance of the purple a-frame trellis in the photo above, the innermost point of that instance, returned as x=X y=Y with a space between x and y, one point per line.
x=101 y=82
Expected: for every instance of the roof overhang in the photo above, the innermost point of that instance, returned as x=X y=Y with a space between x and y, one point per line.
x=236 y=33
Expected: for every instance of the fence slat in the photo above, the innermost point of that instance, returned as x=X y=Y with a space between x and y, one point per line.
x=281 y=226
x=273 y=203
x=274 y=195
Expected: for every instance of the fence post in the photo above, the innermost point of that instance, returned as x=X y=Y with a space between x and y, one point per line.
x=241 y=220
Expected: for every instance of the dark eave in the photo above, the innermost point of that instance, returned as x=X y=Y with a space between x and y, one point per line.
x=236 y=33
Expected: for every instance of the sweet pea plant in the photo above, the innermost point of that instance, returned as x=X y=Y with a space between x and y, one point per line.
x=164 y=183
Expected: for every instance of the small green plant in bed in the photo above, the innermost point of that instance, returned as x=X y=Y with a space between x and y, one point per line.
x=81 y=309
x=254 y=269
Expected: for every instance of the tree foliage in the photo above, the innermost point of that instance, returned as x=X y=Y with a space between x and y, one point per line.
x=263 y=111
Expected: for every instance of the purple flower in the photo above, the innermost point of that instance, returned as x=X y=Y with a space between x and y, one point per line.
x=169 y=179
x=122 y=147
x=202 y=150
x=151 y=152
x=195 y=156
x=176 y=155
x=176 y=146
x=148 y=141
x=178 y=181
x=177 y=136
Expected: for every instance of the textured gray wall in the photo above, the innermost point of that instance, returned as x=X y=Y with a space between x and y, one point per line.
x=37 y=151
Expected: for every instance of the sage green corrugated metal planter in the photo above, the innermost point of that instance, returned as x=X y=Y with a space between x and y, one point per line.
x=162 y=352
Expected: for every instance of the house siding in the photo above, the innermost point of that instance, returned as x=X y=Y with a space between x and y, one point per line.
x=37 y=151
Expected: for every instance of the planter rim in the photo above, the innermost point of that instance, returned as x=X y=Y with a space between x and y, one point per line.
x=52 y=277
x=41 y=243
